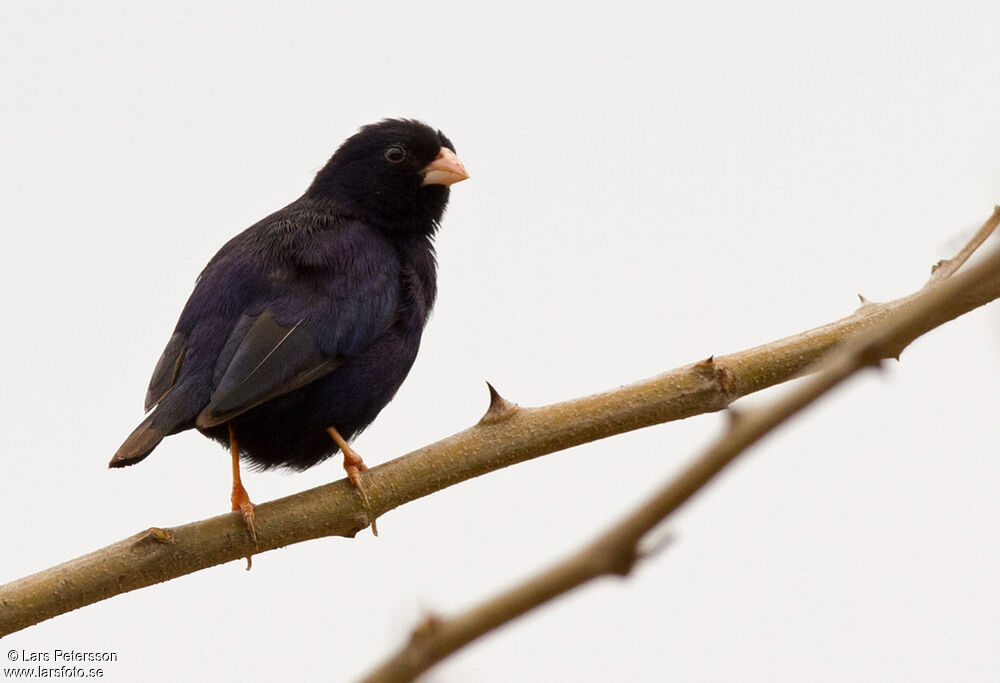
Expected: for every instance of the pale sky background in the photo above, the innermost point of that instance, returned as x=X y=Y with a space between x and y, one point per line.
x=651 y=184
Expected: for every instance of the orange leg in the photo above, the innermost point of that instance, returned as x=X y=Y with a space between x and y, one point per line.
x=354 y=466
x=240 y=498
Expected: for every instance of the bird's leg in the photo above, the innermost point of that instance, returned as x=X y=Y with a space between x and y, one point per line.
x=354 y=466
x=240 y=498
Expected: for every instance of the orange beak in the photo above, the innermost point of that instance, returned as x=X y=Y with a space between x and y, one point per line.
x=445 y=170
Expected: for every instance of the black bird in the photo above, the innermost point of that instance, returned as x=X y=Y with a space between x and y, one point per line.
x=301 y=328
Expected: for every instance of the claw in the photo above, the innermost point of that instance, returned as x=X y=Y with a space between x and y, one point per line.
x=244 y=505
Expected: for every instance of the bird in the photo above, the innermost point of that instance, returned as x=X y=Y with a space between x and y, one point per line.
x=301 y=329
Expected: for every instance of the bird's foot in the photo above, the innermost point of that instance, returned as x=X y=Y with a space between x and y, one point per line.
x=241 y=502
x=239 y=498
x=354 y=466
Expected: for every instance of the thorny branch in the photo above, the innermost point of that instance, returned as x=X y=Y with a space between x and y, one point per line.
x=506 y=435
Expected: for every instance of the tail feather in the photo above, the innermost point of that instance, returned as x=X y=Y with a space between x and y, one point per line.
x=138 y=445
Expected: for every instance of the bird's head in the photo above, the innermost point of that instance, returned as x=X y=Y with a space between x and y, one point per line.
x=395 y=173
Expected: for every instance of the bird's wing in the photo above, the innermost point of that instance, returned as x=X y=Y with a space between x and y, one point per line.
x=305 y=330
x=286 y=321
x=167 y=369
x=261 y=360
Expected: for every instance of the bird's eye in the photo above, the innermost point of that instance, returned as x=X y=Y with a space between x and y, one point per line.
x=395 y=154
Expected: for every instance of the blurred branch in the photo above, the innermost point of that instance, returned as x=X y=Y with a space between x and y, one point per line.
x=506 y=435
x=616 y=551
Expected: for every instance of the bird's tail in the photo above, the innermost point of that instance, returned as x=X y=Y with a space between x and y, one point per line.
x=138 y=445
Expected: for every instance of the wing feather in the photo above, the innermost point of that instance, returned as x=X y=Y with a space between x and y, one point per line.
x=167 y=370
x=269 y=360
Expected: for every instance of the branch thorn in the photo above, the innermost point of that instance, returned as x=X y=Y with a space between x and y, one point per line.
x=430 y=622
x=500 y=408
